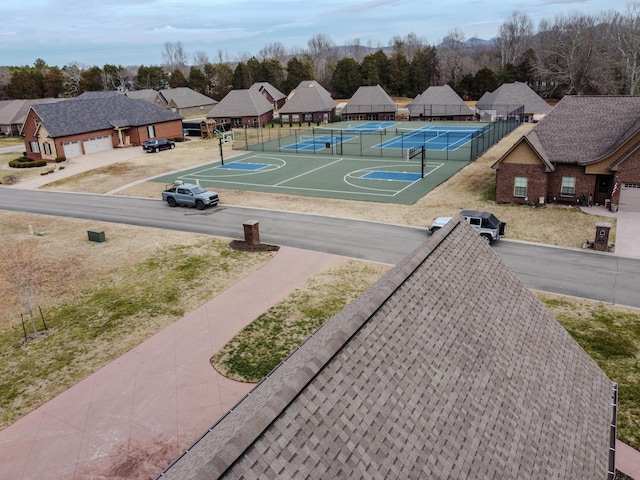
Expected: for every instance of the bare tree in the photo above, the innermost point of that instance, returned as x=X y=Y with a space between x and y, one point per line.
x=200 y=59
x=452 y=57
x=273 y=51
x=322 y=51
x=355 y=49
x=23 y=272
x=175 y=56
x=514 y=37
x=72 y=77
x=624 y=38
x=569 y=53
x=408 y=45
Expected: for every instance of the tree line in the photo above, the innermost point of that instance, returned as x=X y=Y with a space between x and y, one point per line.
x=571 y=54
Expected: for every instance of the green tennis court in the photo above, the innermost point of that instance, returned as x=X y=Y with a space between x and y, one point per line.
x=327 y=176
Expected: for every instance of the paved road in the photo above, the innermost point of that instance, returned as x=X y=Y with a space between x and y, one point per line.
x=586 y=274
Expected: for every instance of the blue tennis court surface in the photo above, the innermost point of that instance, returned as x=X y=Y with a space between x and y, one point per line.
x=396 y=176
x=317 y=142
x=371 y=127
x=432 y=138
x=243 y=166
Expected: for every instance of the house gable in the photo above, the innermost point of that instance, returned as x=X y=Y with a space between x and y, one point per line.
x=429 y=374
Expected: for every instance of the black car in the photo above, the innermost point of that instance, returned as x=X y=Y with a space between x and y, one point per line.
x=157 y=144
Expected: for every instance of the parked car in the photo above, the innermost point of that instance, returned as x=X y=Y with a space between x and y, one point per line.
x=157 y=144
x=485 y=223
x=189 y=195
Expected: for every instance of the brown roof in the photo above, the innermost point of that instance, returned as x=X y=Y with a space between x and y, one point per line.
x=439 y=101
x=370 y=99
x=448 y=367
x=585 y=129
x=309 y=96
x=510 y=95
x=241 y=103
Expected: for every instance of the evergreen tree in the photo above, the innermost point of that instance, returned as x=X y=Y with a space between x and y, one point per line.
x=241 y=77
x=346 y=78
x=177 y=79
x=197 y=80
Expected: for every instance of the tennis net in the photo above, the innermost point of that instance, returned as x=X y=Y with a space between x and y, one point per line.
x=434 y=133
x=351 y=131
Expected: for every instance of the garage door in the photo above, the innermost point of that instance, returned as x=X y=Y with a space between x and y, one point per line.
x=72 y=149
x=97 y=144
x=630 y=197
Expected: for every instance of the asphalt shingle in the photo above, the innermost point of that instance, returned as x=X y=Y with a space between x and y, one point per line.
x=448 y=367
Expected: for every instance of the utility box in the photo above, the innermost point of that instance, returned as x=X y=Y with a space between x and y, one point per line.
x=252 y=232
x=96 y=236
x=601 y=242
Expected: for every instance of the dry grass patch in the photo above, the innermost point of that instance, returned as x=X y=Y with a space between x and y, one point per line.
x=99 y=300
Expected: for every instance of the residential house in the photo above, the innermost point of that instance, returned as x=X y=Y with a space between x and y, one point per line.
x=512 y=99
x=439 y=103
x=447 y=367
x=242 y=108
x=81 y=126
x=271 y=93
x=187 y=102
x=14 y=112
x=370 y=103
x=309 y=102
x=587 y=149
x=148 y=94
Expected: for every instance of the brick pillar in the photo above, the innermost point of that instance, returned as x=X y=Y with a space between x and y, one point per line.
x=602 y=236
x=252 y=232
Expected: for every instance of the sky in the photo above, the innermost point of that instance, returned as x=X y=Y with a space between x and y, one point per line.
x=134 y=32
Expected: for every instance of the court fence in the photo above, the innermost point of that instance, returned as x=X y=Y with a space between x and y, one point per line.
x=453 y=144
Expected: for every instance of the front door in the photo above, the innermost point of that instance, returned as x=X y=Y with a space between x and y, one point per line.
x=603 y=188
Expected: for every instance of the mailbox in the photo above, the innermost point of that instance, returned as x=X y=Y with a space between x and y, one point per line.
x=602 y=236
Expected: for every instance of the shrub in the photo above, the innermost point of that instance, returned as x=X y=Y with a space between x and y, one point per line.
x=24 y=162
x=61 y=159
x=178 y=139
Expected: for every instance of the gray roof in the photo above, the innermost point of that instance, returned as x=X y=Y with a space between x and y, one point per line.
x=184 y=97
x=441 y=100
x=513 y=94
x=309 y=96
x=91 y=95
x=370 y=99
x=81 y=116
x=270 y=89
x=448 y=367
x=148 y=94
x=14 y=112
x=241 y=103
x=585 y=129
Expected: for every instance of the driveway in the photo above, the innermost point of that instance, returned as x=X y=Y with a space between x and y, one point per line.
x=628 y=234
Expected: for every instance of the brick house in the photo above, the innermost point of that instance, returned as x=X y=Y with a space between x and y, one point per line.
x=433 y=372
x=586 y=149
x=80 y=126
x=309 y=102
x=271 y=93
x=242 y=108
x=370 y=103
x=439 y=103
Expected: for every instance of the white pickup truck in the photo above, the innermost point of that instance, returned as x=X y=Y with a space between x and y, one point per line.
x=189 y=195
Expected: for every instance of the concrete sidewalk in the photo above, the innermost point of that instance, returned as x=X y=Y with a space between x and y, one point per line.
x=136 y=415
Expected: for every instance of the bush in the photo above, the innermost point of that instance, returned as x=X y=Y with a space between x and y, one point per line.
x=178 y=139
x=24 y=162
x=61 y=159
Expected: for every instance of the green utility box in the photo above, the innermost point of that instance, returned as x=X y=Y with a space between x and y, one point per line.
x=96 y=235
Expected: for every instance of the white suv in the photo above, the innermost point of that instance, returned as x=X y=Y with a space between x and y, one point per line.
x=485 y=223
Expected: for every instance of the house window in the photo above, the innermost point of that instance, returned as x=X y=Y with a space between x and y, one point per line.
x=35 y=147
x=295 y=117
x=568 y=186
x=308 y=117
x=520 y=187
x=47 y=148
x=151 y=131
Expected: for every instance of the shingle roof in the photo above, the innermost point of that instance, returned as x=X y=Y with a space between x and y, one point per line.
x=513 y=94
x=270 y=89
x=14 y=112
x=448 y=367
x=241 y=103
x=440 y=100
x=80 y=116
x=184 y=97
x=370 y=99
x=309 y=96
x=585 y=129
x=148 y=94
